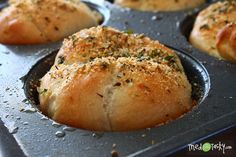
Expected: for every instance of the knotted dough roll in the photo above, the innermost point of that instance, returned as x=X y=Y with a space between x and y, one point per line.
x=41 y=21
x=212 y=29
x=107 y=80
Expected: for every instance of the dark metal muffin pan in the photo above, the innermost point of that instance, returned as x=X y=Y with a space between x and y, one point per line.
x=37 y=136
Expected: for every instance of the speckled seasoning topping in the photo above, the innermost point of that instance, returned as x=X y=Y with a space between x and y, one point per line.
x=100 y=68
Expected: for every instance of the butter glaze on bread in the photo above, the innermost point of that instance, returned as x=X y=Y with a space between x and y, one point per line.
x=208 y=24
x=106 y=80
x=159 y=5
x=41 y=21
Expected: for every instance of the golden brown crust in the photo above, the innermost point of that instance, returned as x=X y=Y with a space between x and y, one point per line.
x=226 y=42
x=159 y=5
x=208 y=23
x=106 y=80
x=40 y=21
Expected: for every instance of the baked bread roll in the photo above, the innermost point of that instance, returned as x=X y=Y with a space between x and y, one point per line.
x=159 y=5
x=106 y=80
x=208 y=24
x=41 y=21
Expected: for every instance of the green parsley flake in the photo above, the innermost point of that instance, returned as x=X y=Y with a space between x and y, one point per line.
x=43 y=91
x=74 y=39
x=129 y=31
x=169 y=58
x=61 y=60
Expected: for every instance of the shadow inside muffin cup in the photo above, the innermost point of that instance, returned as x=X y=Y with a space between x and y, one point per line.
x=186 y=25
x=195 y=71
x=102 y=10
x=111 y=1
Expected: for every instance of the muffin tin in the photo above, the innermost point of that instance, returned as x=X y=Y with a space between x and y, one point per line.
x=213 y=80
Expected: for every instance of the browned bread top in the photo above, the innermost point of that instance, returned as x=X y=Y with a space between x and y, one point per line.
x=103 y=42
